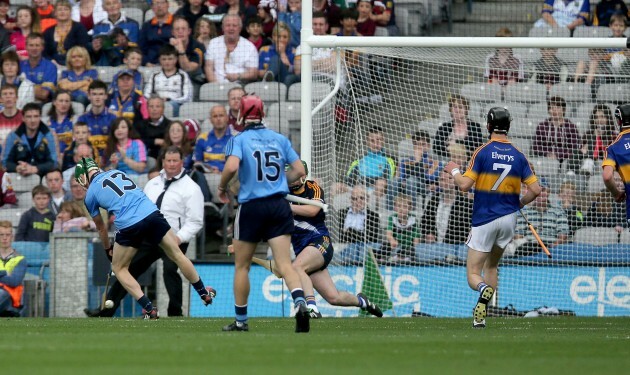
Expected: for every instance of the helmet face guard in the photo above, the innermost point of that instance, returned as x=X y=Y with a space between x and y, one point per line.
x=82 y=169
x=297 y=185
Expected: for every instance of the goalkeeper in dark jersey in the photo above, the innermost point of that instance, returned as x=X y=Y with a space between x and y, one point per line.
x=313 y=250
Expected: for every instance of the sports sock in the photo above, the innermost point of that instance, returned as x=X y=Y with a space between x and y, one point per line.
x=362 y=303
x=311 y=304
x=200 y=288
x=145 y=303
x=298 y=297
x=480 y=286
x=241 y=313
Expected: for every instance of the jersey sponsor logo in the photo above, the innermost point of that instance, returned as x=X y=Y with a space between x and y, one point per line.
x=508 y=158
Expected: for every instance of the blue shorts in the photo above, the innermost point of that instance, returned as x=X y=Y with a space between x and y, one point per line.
x=262 y=219
x=323 y=245
x=150 y=230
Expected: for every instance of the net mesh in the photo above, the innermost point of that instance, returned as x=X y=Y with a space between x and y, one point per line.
x=402 y=113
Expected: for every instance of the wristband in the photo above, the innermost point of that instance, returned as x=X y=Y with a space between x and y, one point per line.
x=181 y=53
x=455 y=171
x=221 y=188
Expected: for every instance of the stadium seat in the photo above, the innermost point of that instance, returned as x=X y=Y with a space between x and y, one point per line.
x=268 y=91
x=481 y=92
x=381 y=31
x=545 y=166
x=572 y=92
x=475 y=113
x=591 y=32
x=522 y=144
x=24 y=200
x=526 y=93
x=549 y=32
x=107 y=73
x=280 y=125
x=517 y=110
x=573 y=55
x=141 y=179
x=522 y=127
x=537 y=112
x=11 y=214
x=213 y=180
x=596 y=184
x=596 y=236
x=339 y=201
x=405 y=148
x=613 y=93
x=216 y=92
x=147 y=72
x=196 y=110
x=528 y=55
x=319 y=90
x=289 y=111
x=78 y=108
x=624 y=237
x=582 y=123
x=23 y=184
x=134 y=13
x=430 y=126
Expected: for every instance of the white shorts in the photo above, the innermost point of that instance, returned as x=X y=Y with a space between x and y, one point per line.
x=497 y=232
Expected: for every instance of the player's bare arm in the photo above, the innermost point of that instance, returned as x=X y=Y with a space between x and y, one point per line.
x=533 y=190
x=229 y=171
x=609 y=180
x=464 y=183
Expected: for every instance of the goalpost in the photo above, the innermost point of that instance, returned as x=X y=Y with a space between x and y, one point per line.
x=403 y=86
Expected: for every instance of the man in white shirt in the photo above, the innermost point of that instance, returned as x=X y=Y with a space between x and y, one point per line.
x=231 y=58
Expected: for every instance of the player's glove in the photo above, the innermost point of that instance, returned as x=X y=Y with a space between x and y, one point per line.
x=109 y=252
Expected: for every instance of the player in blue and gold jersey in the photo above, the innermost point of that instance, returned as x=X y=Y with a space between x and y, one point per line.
x=618 y=158
x=497 y=170
x=137 y=219
x=314 y=251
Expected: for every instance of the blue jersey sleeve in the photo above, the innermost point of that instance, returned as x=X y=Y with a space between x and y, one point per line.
x=234 y=148
x=290 y=152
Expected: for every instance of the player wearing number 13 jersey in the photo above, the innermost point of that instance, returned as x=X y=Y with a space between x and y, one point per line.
x=497 y=169
x=137 y=219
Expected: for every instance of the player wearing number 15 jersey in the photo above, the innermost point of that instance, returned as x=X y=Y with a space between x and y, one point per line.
x=497 y=169
x=137 y=219
x=260 y=155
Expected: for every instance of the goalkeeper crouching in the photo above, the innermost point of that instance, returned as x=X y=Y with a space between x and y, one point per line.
x=314 y=251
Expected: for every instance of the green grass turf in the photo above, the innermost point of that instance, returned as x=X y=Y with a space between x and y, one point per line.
x=335 y=346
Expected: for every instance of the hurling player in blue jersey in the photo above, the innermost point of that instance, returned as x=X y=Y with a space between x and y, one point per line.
x=618 y=158
x=137 y=219
x=314 y=251
x=259 y=156
x=497 y=169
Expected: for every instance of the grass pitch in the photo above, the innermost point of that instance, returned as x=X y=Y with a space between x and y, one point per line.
x=334 y=346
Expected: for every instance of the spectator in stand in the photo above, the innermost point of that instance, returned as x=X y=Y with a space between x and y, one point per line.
x=323 y=59
x=604 y=212
x=550 y=222
x=349 y=20
x=556 y=137
x=255 y=33
x=205 y=31
x=61 y=119
x=7 y=194
x=383 y=15
x=446 y=218
x=156 y=32
x=88 y=13
x=618 y=56
x=13 y=266
x=503 y=66
x=549 y=69
x=153 y=129
x=6 y=21
x=567 y=201
x=78 y=75
x=210 y=146
x=58 y=39
x=293 y=18
x=170 y=83
x=605 y=9
x=415 y=172
x=133 y=60
x=459 y=130
x=125 y=151
x=600 y=134
x=267 y=16
x=46 y=14
x=72 y=218
x=231 y=58
x=82 y=150
x=332 y=13
x=403 y=234
x=176 y=136
x=596 y=71
x=80 y=136
x=127 y=102
x=359 y=226
x=11 y=74
x=58 y=195
x=276 y=61
x=10 y=115
x=42 y=72
x=239 y=8
x=31 y=148
x=365 y=24
x=37 y=222
x=98 y=118
x=234 y=104
x=190 y=53
x=192 y=11
x=562 y=13
x=115 y=19
x=27 y=22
